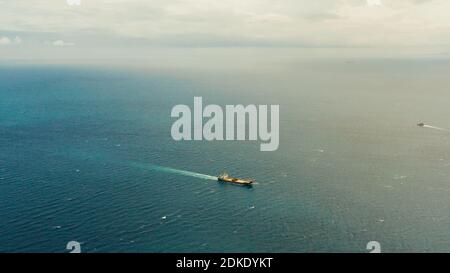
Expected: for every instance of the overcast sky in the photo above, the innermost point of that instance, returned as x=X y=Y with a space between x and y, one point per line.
x=28 y=26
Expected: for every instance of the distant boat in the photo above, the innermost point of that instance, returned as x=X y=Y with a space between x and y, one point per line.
x=421 y=124
x=224 y=177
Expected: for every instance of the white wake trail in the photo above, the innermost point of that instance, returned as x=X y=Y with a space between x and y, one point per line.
x=436 y=128
x=174 y=171
x=84 y=155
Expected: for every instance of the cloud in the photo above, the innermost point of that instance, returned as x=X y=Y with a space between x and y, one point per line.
x=61 y=43
x=374 y=3
x=347 y=23
x=4 y=40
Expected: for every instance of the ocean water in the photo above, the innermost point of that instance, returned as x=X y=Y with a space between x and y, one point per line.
x=86 y=155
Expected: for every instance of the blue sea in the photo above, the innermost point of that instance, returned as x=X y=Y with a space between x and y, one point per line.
x=86 y=155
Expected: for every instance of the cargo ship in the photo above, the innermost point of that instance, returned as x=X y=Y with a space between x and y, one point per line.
x=225 y=177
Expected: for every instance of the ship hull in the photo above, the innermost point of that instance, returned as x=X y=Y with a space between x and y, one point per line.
x=236 y=181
